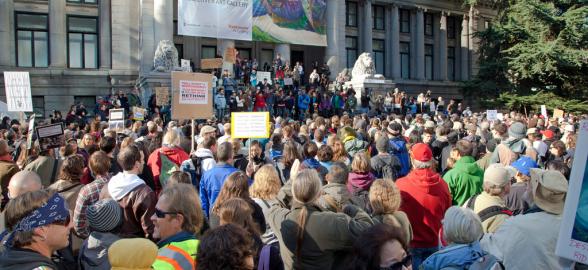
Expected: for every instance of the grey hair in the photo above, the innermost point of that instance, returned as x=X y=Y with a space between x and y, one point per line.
x=306 y=186
x=461 y=225
x=422 y=164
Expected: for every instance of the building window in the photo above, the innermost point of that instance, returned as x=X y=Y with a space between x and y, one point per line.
x=88 y=101
x=404 y=21
x=450 y=27
x=83 y=1
x=379 y=55
x=405 y=60
x=351 y=50
x=266 y=59
x=351 y=14
x=32 y=40
x=428 y=24
x=378 y=17
x=82 y=37
x=39 y=106
x=428 y=61
x=244 y=53
x=208 y=52
x=451 y=63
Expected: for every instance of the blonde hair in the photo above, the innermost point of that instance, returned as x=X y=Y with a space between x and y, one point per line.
x=461 y=225
x=384 y=197
x=267 y=183
x=361 y=163
x=171 y=138
x=183 y=199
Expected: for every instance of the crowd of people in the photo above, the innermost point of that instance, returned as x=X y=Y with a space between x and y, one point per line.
x=440 y=188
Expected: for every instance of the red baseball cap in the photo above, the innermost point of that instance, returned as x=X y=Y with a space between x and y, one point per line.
x=422 y=152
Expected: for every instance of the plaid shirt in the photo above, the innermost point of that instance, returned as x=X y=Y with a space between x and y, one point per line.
x=89 y=194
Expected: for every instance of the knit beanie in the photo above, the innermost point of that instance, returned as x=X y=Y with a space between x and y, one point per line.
x=517 y=130
x=104 y=215
x=132 y=253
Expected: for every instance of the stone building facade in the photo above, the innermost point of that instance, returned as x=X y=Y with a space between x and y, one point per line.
x=76 y=50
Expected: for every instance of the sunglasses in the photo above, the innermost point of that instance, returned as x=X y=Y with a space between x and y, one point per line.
x=161 y=214
x=406 y=262
x=64 y=222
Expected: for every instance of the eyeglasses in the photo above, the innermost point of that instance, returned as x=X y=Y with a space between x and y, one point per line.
x=406 y=262
x=161 y=214
x=64 y=222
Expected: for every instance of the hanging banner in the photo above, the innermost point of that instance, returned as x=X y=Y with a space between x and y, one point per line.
x=191 y=95
x=294 y=21
x=572 y=242
x=18 y=91
x=216 y=19
x=250 y=125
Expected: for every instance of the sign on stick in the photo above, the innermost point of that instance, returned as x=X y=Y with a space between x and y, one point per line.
x=250 y=125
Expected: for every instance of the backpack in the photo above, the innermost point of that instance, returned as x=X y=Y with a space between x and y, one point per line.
x=167 y=168
x=360 y=198
x=389 y=172
x=197 y=162
x=505 y=155
x=398 y=149
x=490 y=211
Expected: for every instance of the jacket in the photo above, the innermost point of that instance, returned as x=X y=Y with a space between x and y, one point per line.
x=378 y=163
x=19 y=259
x=399 y=220
x=7 y=170
x=353 y=145
x=268 y=237
x=43 y=165
x=211 y=183
x=207 y=163
x=359 y=181
x=455 y=255
x=501 y=155
x=138 y=203
x=94 y=251
x=175 y=154
x=485 y=200
x=220 y=101
x=531 y=235
x=465 y=180
x=177 y=250
x=328 y=236
x=303 y=101
x=340 y=196
x=425 y=198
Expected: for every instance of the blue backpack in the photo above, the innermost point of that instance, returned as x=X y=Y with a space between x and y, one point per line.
x=398 y=149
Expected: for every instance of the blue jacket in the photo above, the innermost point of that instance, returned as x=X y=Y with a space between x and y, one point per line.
x=220 y=101
x=303 y=101
x=211 y=183
x=454 y=255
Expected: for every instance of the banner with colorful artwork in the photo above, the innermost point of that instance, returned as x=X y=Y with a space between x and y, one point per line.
x=290 y=21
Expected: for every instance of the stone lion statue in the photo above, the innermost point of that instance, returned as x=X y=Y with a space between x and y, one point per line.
x=364 y=68
x=166 y=57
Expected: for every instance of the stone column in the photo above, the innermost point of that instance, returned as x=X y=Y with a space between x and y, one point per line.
x=388 y=42
x=335 y=51
x=367 y=27
x=284 y=51
x=465 y=51
x=395 y=51
x=163 y=16
x=420 y=44
x=222 y=45
x=7 y=21
x=125 y=35
x=57 y=33
x=105 y=49
x=473 y=42
x=443 y=47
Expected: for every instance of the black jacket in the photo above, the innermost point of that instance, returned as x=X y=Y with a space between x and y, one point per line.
x=18 y=259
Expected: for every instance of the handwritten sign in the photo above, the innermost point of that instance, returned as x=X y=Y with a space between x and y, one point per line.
x=51 y=136
x=250 y=125
x=18 y=91
x=162 y=96
x=544 y=111
x=264 y=75
x=185 y=64
x=557 y=113
x=288 y=81
x=116 y=120
x=572 y=242
x=492 y=115
x=211 y=63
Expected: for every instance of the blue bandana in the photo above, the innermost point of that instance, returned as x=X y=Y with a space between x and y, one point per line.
x=55 y=209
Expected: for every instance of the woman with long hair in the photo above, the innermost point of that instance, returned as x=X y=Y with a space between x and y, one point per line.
x=385 y=200
x=289 y=155
x=339 y=153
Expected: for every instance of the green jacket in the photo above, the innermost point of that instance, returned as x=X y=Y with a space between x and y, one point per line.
x=464 y=180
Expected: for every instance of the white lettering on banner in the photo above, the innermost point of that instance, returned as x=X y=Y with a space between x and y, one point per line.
x=192 y=92
x=229 y=19
x=18 y=91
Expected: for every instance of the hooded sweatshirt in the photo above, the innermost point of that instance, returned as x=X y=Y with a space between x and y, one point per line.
x=175 y=154
x=94 y=251
x=123 y=183
x=464 y=180
x=353 y=145
x=18 y=259
x=425 y=198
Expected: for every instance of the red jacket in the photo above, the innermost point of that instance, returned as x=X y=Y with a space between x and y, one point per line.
x=176 y=154
x=425 y=198
x=260 y=101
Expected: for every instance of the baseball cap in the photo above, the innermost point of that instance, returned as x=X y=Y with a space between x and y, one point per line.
x=524 y=164
x=421 y=152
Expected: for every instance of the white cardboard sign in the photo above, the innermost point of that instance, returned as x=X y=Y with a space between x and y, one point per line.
x=492 y=115
x=264 y=75
x=18 y=91
x=250 y=125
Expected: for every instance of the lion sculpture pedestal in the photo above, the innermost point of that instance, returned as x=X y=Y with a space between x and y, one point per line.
x=363 y=76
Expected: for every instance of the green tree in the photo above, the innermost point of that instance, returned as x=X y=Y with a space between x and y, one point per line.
x=533 y=46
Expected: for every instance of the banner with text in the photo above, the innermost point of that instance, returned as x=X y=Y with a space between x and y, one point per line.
x=250 y=125
x=18 y=91
x=229 y=19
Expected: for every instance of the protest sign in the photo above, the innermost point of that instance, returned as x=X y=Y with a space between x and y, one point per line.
x=161 y=96
x=30 y=132
x=191 y=95
x=264 y=75
x=211 y=63
x=230 y=55
x=18 y=91
x=139 y=113
x=491 y=115
x=500 y=116
x=572 y=242
x=185 y=64
x=116 y=120
x=51 y=136
x=544 y=111
x=557 y=113
x=288 y=81
x=250 y=125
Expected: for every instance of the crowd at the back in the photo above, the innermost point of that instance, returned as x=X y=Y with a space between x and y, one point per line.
x=423 y=191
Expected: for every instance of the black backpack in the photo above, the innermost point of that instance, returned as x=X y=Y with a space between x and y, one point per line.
x=197 y=162
x=490 y=211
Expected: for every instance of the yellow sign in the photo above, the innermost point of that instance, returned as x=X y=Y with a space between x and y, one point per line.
x=254 y=125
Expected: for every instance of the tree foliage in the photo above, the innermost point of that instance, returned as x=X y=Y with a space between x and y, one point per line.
x=531 y=46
